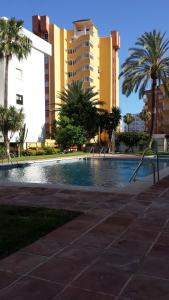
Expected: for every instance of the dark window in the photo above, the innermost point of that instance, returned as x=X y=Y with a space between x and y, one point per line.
x=46 y=36
x=19 y=99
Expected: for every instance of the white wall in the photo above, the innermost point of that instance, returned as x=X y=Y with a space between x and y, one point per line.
x=31 y=86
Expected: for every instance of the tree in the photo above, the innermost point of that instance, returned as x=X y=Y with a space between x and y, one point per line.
x=81 y=106
x=68 y=135
x=133 y=139
x=147 y=63
x=22 y=138
x=11 y=121
x=109 y=122
x=145 y=115
x=128 y=119
x=12 y=43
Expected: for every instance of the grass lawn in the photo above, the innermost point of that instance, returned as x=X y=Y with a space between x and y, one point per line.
x=39 y=157
x=20 y=226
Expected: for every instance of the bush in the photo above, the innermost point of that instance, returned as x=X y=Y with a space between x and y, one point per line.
x=71 y=136
x=133 y=139
x=29 y=152
x=40 y=152
x=49 y=150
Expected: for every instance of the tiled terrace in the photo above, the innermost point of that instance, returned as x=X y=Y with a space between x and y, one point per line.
x=118 y=249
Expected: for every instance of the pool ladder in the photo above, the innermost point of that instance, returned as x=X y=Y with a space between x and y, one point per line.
x=154 y=166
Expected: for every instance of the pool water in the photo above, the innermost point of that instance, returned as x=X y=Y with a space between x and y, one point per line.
x=92 y=172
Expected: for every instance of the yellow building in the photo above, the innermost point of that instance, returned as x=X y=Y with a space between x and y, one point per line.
x=79 y=54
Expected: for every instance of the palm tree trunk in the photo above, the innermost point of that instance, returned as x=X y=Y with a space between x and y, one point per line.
x=154 y=83
x=6 y=82
x=7 y=146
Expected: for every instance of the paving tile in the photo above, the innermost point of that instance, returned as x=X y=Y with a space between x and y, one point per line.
x=32 y=289
x=44 y=247
x=58 y=270
x=79 y=294
x=79 y=225
x=102 y=278
x=164 y=238
x=140 y=234
x=147 y=288
x=63 y=236
x=157 y=267
x=83 y=255
x=160 y=250
x=122 y=261
x=94 y=239
x=21 y=262
x=119 y=220
x=130 y=247
x=6 y=278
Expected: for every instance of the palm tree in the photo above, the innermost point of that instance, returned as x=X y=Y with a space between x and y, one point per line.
x=147 y=63
x=128 y=119
x=109 y=122
x=81 y=106
x=145 y=115
x=12 y=43
x=11 y=121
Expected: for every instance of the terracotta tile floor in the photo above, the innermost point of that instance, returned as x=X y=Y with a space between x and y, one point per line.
x=117 y=250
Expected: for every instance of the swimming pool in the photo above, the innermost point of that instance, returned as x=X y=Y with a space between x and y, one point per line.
x=91 y=172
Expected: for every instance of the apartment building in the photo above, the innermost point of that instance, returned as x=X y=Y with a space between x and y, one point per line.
x=161 y=122
x=137 y=125
x=78 y=54
x=26 y=87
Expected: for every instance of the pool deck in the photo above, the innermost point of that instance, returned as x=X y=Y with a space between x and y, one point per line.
x=118 y=249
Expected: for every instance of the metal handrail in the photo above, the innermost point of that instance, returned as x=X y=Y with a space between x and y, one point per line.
x=103 y=150
x=133 y=177
x=92 y=150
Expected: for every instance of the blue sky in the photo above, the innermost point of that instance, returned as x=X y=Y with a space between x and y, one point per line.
x=130 y=17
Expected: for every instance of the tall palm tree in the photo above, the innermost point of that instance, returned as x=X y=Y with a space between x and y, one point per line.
x=81 y=106
x=12 y=43
x=128 y=119
x=145 y=115
x=147 y=63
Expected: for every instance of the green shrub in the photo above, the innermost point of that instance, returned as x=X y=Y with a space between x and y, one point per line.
x=40 y=152
x=133 y=139
x=70 y=136
x=49 y=150
x=29 y=152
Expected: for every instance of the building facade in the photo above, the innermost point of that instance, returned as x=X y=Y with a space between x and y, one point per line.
x=137 y=125
x=161 y=122
x=26 y=88
x=78 y=54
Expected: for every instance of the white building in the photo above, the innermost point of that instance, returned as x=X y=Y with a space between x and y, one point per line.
x=26 y=87
x=137 y=125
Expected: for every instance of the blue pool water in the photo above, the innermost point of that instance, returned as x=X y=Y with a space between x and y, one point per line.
x=93 y=172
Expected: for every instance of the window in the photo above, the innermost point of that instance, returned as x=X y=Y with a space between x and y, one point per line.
x=87 y=78
x=46 y=59
x=71 y=74
x=46 y=71
x=70 y=51
x=46 y=97
x=19 y=99
x=46 y=83
x=19 y=74
x=46 y=36
x=71 y=62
